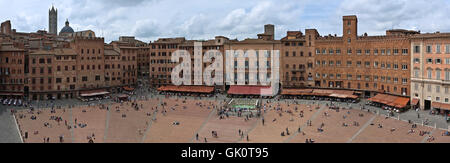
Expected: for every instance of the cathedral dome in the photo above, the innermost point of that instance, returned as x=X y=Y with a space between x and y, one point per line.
x=67 y=28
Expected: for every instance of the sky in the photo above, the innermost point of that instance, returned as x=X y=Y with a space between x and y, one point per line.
x=149 y=20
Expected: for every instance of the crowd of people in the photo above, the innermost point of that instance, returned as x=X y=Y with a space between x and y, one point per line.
x=223 y=112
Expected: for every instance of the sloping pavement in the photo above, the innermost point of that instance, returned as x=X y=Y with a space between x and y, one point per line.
x=9 y=132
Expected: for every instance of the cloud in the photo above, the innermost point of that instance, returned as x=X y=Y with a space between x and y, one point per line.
x=147 y=29
x=243 y=22
x=240 y=21
x=123 y=3
x=235 y=22
x=203 y=19
x=376 y=16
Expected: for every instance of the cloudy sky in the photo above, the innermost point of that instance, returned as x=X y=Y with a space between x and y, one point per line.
x=204 y=19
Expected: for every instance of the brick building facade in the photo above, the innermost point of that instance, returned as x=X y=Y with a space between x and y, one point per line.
x=430 y=75
x=143 y=55
x=43 y=66
x=401 y=62
x=297 y=59
x=12 y=63
x=369 y=64
x=160 y=60
x=90 y=62
x=161 y=51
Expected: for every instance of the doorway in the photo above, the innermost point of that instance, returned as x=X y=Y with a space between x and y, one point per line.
x=367 y=94
x=427 y=105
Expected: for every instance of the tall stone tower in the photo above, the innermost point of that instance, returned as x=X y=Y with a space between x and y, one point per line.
x=269 y=29
x=53 y=21
x=350 y=27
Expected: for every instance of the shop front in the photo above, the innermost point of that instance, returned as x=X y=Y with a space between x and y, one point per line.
x=442 y=109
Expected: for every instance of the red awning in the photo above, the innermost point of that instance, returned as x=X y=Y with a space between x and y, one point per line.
x=401 y=102
x=128 y=88
x=251 y=90
x=191 y=89
x=394 y=101
x=445 y=106
x=438 y=105
x=296 y=92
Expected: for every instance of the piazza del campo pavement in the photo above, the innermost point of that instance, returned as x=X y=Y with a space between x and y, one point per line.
x=72 y=87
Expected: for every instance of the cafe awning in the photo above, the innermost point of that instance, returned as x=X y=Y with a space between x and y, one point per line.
x=390 y=100
x=438 y=105
x=189 y=89
x=401 y=102
x=297 y=92
x=11 y=94
x=251 y=90
x=93 y=93
x=320 y=92
x=122 y=96
x=126 y=88
x=343 y=96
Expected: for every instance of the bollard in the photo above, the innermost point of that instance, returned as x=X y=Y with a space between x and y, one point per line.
x=422 y=122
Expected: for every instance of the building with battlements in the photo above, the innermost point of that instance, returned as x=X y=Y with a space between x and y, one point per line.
x=368 y=64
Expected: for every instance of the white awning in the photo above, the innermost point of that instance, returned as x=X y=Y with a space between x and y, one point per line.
x=94 y=94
